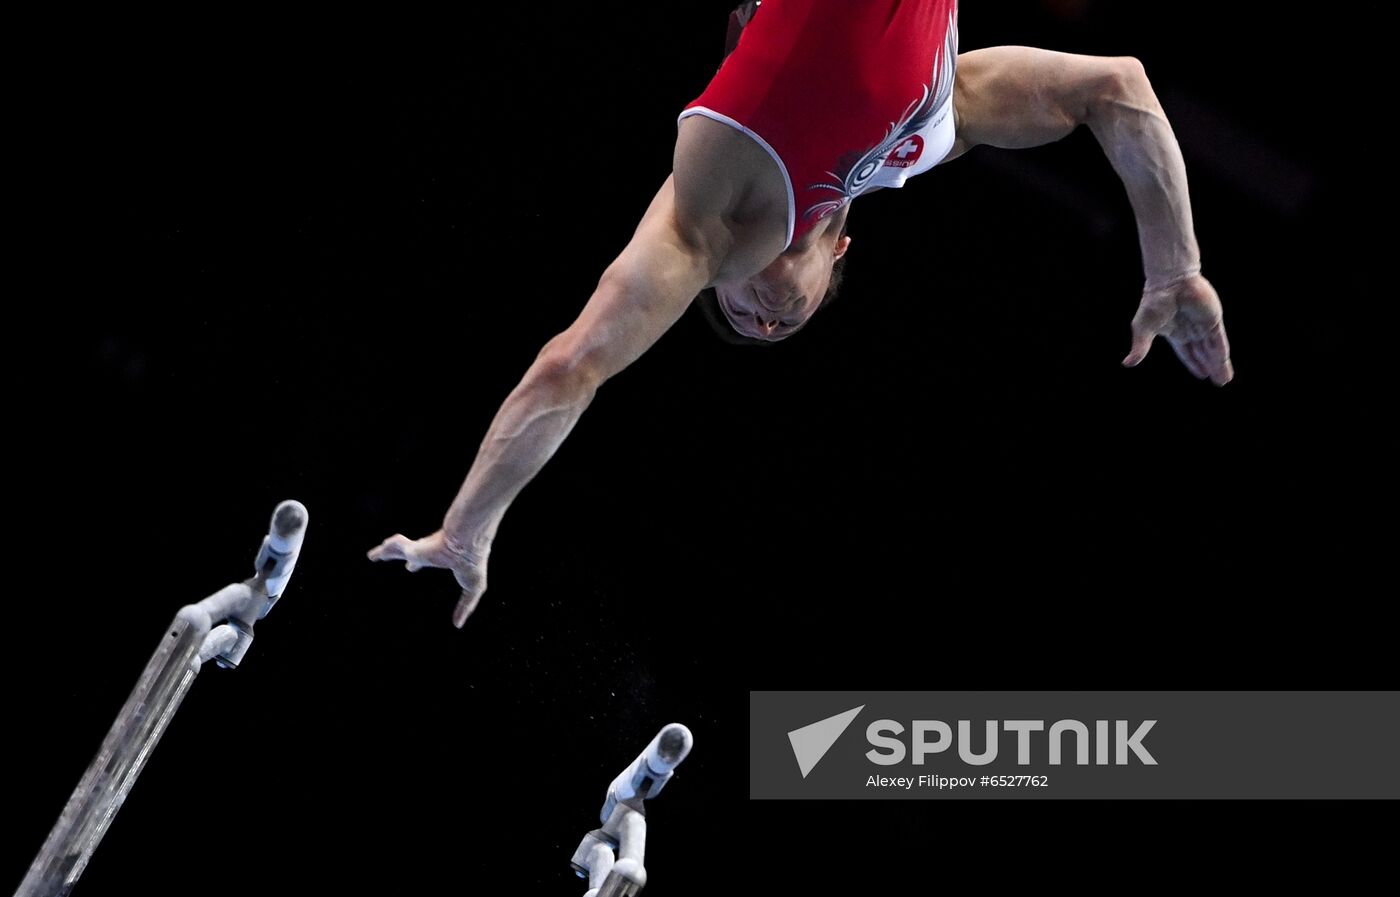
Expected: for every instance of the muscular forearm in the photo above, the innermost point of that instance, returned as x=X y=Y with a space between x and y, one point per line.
x=641 y=294
x=1134 y=133
x=527 y=430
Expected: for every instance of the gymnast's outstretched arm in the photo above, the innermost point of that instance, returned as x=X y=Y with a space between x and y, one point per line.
x=1014 y=97
x=676 y=250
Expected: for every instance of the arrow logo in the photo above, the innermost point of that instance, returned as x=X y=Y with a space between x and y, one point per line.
x=810 y=743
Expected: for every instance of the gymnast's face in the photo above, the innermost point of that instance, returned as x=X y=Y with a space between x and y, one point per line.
x=778 y=301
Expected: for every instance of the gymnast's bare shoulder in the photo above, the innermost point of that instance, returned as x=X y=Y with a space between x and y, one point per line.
x=730 y=191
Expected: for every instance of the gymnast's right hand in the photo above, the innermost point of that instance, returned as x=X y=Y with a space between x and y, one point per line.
x=438 y=550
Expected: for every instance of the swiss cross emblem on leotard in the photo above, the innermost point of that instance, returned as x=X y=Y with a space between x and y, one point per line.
x=906 y=153
x=860 y=173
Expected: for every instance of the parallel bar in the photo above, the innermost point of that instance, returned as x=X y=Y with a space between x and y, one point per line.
x=119 y=761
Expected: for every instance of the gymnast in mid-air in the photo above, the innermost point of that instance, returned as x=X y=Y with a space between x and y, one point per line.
x=822 y=101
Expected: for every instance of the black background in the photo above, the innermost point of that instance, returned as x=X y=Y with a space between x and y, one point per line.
x=275 y=259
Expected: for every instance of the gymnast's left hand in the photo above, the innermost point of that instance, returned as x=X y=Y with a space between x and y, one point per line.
x=442 y=552
x=1189 y=316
